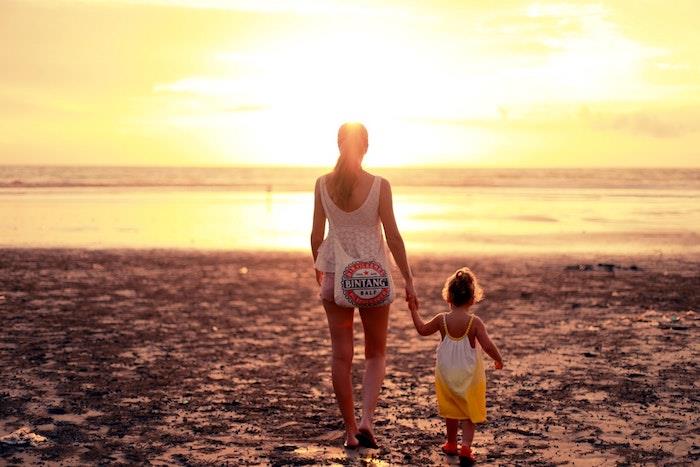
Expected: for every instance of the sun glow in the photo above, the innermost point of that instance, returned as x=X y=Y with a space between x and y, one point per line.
x=416 y=96
x=249 y=83
x=304 y=87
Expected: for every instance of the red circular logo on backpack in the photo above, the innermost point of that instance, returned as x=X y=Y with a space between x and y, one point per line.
x=365 y=283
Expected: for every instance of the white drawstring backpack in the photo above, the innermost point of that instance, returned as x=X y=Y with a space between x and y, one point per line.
x=362 y=282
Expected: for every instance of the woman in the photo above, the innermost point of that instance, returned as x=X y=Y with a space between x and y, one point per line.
x=356 y=204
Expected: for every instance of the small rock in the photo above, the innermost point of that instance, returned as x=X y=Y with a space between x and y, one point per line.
x=286 y=447
x=102 y=298
x=676 y=326
x=287 y=424
x=23 y=436
x=243 y=270
x=126 y=293
x=590 y=354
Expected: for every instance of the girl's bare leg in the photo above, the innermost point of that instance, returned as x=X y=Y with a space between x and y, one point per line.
x=467 y=433
x=452 y=427
x=375 y=322
x=340 y=326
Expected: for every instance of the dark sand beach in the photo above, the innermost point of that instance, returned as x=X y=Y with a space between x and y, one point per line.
x=201 y=358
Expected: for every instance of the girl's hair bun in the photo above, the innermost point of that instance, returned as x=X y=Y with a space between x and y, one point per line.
x=462 y=287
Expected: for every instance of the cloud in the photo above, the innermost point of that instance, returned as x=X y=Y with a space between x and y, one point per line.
x=246 y=108
x=659 y=123
x=656 y=124
x=502 y=119
x=565 y=10
x=303 y=7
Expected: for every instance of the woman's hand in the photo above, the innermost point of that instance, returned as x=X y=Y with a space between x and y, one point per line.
x=411 y=297
x=319 y=276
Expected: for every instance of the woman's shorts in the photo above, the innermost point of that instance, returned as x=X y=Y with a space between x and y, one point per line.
x=327 y=286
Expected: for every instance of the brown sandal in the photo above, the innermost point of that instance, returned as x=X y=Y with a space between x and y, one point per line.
x=366 y=439
x=351 y=447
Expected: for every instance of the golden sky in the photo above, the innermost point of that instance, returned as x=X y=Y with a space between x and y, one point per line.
x=248 y=82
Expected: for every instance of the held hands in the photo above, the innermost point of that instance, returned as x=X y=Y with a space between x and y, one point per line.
x=411 y=297
x=319 y=276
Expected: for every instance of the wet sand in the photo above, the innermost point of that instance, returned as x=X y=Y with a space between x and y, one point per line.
x=197 y=358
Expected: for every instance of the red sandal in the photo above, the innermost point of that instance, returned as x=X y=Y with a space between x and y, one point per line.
x=450 y=448
x=466 y=455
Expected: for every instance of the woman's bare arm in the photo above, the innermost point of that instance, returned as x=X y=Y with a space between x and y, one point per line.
x=318 y=229
x=391 y=231
x=395 y=241
x=485 y=341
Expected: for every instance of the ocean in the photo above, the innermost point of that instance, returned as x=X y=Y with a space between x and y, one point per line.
x=439 y=210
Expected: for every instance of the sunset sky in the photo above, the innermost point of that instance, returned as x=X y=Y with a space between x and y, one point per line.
x=254 y=82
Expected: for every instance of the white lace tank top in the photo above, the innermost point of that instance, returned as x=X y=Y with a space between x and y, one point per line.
x=359 y=231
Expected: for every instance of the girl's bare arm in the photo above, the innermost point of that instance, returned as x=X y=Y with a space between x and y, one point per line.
x=485 y=341
x=425 y=328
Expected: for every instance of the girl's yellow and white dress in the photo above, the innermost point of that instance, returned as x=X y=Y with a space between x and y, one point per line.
x=460 y=379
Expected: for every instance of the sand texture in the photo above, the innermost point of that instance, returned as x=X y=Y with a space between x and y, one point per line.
x=197 y=358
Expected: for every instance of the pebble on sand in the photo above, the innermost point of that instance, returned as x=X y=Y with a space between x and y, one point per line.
x=23 y=436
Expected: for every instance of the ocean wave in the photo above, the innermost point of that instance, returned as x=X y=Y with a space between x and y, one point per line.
x=303 y=179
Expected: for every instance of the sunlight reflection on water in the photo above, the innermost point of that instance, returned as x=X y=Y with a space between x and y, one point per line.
x=441 y=220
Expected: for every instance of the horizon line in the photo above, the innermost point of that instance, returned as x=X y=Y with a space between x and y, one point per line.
x=325 y=167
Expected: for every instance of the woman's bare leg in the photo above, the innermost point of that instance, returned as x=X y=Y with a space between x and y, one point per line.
x=375 y=322
x=340 y=326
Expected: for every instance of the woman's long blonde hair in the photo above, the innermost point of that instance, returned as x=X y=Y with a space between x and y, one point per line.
x=352 y=143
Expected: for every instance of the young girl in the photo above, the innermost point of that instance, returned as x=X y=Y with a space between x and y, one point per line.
x=460 y=380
